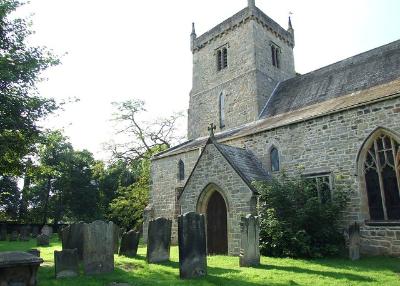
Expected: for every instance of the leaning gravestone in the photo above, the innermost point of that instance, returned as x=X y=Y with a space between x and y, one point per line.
x=192 y=246
x=24 y=234
x=18 y=268
x=354 y=241
x=129 y=243
x=98 y=247
x=42 y=240
x=249 y=246
x=158 y=240
x=35 y=231
x=47 y=230
x=72 y=237
x=3 y=232
x=66 y=263
x=14 y=235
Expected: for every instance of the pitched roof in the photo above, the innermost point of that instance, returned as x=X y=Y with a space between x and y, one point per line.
x=363 y=71
x=244 y=163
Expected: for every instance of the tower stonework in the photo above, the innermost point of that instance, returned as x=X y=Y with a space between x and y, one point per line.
x=251 y=71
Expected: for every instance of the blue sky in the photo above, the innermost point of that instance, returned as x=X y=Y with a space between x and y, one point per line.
x=123 y=49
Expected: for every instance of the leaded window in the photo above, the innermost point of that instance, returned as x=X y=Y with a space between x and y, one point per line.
x=274 y=156
x=181 y=170
x=382 y=178
x=322 y=186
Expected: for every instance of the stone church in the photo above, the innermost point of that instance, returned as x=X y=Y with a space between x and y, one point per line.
x=340 y=120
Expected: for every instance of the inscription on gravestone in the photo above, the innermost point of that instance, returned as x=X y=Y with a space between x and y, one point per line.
x=129 y=243
x=98 y=247
x=249 y=246
x=354 y=241
x=192 y=246
x=159 y=240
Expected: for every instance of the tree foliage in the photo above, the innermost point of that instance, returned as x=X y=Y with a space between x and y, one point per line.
x=20 y=106
x=295 y=223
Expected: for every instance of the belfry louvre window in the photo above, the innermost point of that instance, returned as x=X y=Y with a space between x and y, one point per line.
x=222 y=58
x=275 y=51
x=382 y=178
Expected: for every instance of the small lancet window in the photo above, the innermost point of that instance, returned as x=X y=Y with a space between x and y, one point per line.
x=222 y=58
x=181 y=170
x=275 y=55
x=274 y=155
x=222 y=110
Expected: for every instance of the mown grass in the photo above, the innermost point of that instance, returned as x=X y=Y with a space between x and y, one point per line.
x=223 y=270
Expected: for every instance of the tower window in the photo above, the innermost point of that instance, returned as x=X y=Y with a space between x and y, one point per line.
x=275 y=51
x=222 y=110
x=222 y=58
x=274 y=155
x=181 y=170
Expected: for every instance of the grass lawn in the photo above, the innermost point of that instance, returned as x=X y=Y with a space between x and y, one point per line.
x=223 y=270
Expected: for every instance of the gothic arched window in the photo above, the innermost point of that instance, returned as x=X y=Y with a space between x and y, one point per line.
x=274 y=156
x=382 y=178
x=181 y=170
x=222 y=110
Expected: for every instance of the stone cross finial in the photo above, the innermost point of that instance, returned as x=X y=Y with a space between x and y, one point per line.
x=251 y=3
x=211 y=129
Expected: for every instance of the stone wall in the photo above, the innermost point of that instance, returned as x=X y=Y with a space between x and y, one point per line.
x=380 y=240
x=214 y=169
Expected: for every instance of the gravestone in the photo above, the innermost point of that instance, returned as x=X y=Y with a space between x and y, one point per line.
x=14 y=235
x=249 y=245
x=18 y=268
x=35 y=231
x=192 y=246
x=158 y=240
x=42 y=240
x=72 y=237
x=3 y=232
x=47 y=230
x=24 y=234
x=354 y=241
x=98 y=247
x=35 y=252
x=129 y=243
x=117 y=236
x=66 y=263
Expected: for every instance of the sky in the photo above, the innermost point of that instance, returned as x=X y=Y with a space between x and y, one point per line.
x=123 y=49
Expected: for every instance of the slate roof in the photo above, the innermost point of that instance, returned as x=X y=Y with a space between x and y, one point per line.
x=363 y=71
x=244 y=162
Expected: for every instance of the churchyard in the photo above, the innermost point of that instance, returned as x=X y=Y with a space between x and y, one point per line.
x=221 y=270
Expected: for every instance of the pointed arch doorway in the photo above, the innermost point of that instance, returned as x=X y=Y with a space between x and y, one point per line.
x=213 y=205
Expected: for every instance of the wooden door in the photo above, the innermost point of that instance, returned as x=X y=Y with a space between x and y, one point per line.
x=217 y=238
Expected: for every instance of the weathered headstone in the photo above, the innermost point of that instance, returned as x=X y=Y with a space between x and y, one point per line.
x=72 y=237
x=354 y=241
x=66 y=263
x=43 y=240
x=14 y=235
x=192 y=246
x=24 y=234
x=249 y=246
x=159 y=240
x=47 y=230
x=35 y=252
x=98 y=247
x=129 y=243
x=3 y=232
x=117 y=236
x=18 y=268
x=35 y=231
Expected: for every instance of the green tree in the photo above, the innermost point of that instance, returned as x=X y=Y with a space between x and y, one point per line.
x=9 y=198
x=20 y=105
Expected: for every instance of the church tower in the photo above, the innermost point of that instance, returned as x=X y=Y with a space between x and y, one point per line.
x=236 y=67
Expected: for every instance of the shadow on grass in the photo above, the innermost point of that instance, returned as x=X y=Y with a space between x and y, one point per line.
x=335 y=275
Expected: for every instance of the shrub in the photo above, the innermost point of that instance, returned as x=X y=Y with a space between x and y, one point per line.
x=296 y=222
